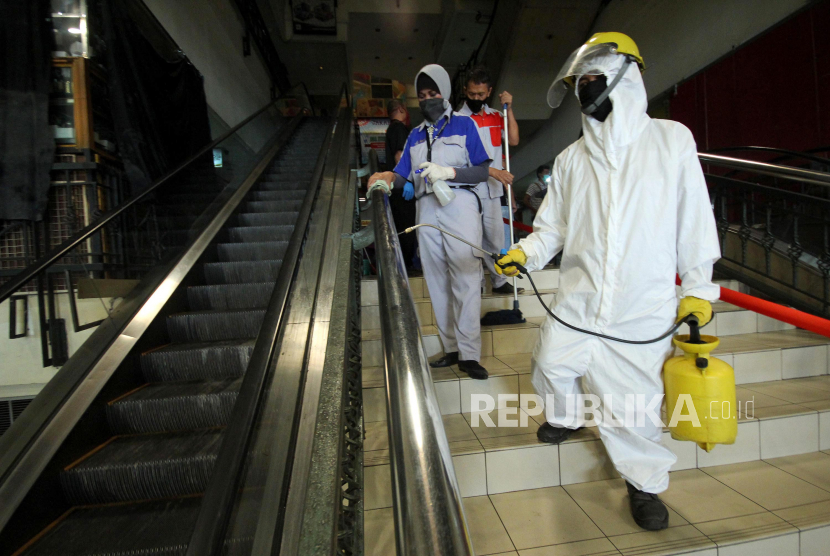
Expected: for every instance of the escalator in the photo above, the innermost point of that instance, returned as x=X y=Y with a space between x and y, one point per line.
x=140 y=490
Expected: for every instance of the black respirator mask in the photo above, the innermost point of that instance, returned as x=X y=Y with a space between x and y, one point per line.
x=475 y=105
x=590 y=92
x=432 y=109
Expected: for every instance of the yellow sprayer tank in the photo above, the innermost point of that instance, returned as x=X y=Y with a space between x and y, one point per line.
x=697 y=381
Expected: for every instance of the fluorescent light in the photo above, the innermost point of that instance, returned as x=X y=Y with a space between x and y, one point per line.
x=74 y=30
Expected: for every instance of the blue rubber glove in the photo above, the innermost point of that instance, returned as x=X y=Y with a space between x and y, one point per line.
x=408 y=191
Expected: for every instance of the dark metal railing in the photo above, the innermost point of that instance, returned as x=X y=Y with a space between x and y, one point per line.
x=775 y=239
x=783 y=154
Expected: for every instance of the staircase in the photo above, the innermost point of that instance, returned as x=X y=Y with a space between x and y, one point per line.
x=769 y=493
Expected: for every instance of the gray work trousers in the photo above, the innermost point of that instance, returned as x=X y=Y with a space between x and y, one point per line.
x=452 y=269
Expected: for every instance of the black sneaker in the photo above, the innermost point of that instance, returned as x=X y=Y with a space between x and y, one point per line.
x=553 y=435
x=506 y=289
x=448 y=360
x=647 y=509
x=474 y=369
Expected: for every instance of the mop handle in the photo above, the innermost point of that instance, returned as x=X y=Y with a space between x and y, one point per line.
x=509 y=191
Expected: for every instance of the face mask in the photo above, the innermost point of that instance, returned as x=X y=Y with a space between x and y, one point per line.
x=432 y=108
x=546 y=179
x=590 y=92
x=475 y=105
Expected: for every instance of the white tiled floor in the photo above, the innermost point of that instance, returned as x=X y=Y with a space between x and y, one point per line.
x=815 y=542
x=759 y=366
x=804 y=361
x=788 y=436
x=522 y=469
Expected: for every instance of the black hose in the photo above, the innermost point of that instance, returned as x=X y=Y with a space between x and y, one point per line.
x=671 y=331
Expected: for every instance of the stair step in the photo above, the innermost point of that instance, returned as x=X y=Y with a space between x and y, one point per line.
x=287 y=218
x=241 y=272
x=770 y=431
x=210 y=326
x=122 y=529
x=272 y=206
x=205 y=361
x=278 y=186
x=251 y=251
x=229 y=296
x=293 y=194
x=773 y=507
x=174 y=406
x=254 y=234
x=144 y=467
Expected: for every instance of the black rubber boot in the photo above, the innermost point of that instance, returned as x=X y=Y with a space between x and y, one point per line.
x=448 y=360
x=506 y=289
x=648 y=510
x=553 y=435
x=474 y=369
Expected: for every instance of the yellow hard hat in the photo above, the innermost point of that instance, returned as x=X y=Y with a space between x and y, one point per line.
x=582 y=59
x=624 y=44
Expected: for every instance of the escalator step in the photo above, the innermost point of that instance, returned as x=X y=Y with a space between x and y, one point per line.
x=174 y=406
x=252 y=251
x=242 y=272
x=281 y=185
x=213 y=361
x=205 y=198
x=272 y=206
x=143 y=467
x=229 y=296
x=265 y=218
x=210 y=326
x=293 y=194
x=161 y=528
x=258 y=233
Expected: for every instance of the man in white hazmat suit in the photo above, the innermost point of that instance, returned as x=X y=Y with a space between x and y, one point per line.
x=446 y=147
x=628 y=206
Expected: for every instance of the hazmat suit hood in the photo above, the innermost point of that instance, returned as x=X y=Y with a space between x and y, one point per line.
x=628 y=118
x=441 y=78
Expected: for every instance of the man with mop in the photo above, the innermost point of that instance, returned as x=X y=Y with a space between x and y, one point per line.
x=628 y=207
x=490 y=127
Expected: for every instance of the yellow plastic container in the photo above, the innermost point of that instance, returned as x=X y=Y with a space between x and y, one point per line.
x=701 y=389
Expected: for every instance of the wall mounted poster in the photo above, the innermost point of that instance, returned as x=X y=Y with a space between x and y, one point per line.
x=314 y=17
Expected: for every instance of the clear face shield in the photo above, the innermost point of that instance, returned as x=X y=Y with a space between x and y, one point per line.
x=585 y=60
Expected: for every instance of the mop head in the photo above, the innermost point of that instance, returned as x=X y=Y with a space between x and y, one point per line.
x=505 y=316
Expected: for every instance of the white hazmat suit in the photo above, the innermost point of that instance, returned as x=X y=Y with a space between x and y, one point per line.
x=629 y=208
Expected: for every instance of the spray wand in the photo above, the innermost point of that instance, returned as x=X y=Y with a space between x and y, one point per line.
x=523 y=271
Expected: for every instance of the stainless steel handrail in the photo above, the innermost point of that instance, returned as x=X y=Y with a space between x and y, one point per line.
x=777 y=170
x=429 y=516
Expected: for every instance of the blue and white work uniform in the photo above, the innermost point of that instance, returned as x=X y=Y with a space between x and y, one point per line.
x=452 y=269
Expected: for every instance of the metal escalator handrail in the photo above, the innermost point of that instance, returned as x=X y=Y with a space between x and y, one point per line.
x=33 y=439
x=777 y=170
x=39 y=266
x=429 y=517
x=786 y=154
x=218 y=502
